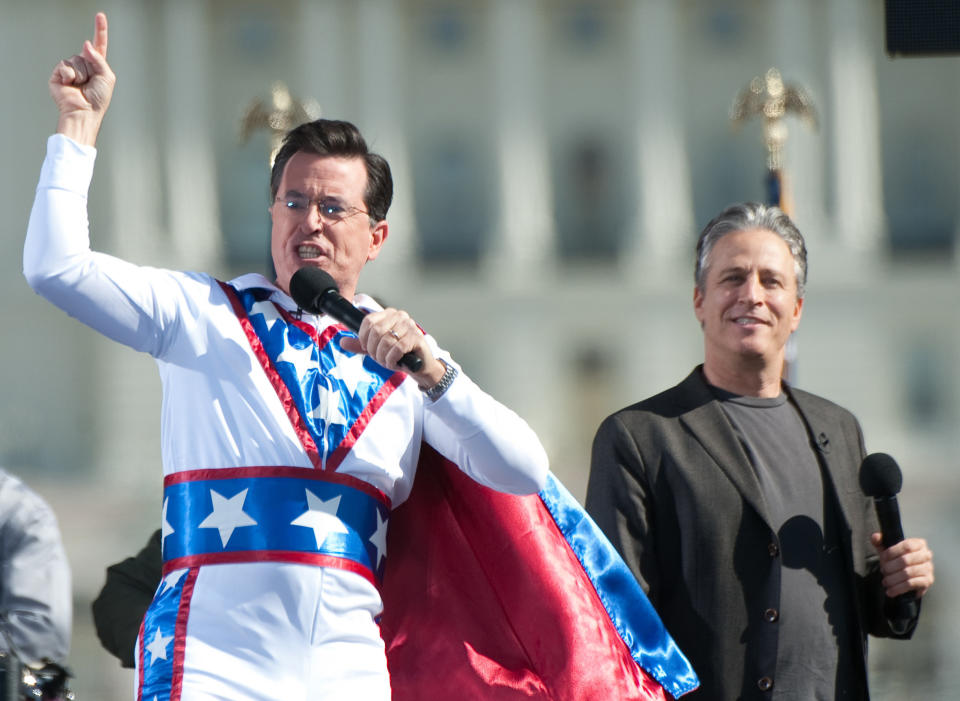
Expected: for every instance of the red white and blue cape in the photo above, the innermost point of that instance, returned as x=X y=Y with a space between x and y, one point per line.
x=500 y=597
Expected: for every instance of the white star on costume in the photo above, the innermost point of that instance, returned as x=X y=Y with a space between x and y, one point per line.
x=301 y=358
x=379 y=540
x=171 y=580
x=321 y=516
x=158 y=647
x=348 y=368
x=165 y=527
x=270 y=315
x=328 y=408
x=227 y=515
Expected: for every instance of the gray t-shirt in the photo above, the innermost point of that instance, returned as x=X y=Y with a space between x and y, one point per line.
x=814 y=644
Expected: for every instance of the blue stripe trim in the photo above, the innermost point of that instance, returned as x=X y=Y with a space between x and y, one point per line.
x=159 y=632
x=275 y=514
x=627 y=605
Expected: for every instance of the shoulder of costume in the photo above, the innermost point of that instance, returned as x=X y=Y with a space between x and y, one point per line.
x=263 y=289
x=252 y=281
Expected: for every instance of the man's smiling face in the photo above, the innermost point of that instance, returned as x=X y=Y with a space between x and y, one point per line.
x=748 y=306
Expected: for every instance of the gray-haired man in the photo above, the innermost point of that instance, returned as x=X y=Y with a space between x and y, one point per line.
x=734 y=497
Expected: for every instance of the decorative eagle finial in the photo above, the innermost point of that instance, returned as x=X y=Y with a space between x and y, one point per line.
x=772 y=99
x=278 y=117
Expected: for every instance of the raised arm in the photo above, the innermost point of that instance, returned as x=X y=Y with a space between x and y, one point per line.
x=81 y=87
x=126 y=302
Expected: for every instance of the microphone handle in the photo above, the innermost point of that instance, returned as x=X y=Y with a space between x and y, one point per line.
x=330 y=302
x=888 y=513
x=901 y=611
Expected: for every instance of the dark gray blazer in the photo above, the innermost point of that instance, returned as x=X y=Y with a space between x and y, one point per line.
x=674 y=491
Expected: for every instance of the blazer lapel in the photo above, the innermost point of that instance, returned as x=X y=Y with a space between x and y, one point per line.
x=843 y=481
x=710 y=426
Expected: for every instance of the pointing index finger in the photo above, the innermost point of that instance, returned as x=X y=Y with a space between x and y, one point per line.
x=100 y=34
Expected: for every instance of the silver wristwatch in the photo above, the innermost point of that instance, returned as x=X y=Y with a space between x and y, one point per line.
x=434 y=393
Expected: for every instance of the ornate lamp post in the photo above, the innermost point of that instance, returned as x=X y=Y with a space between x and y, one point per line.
x=769 y=98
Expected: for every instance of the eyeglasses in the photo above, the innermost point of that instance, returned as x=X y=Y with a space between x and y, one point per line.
x=331 y=212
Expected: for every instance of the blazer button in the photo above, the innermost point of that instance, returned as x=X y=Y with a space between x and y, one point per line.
x=765 y=683
x=771 y=615
x=773 y=549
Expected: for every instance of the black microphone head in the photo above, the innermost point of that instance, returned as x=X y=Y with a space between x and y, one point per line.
x=880 y=476
x=308 y=284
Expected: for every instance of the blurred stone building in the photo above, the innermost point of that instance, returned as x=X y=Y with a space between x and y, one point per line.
x=554 y=161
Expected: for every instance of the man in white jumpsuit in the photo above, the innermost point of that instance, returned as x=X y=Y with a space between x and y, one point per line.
x=286 y=438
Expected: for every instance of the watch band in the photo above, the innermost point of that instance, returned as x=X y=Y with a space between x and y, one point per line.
x=434 y=393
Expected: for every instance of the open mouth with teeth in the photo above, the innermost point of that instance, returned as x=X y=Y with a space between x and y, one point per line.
x=307 y=251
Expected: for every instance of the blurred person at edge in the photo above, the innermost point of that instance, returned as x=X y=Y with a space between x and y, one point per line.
x=36 y=605
x=315 y=431
x=127 y=592
x=734 y=497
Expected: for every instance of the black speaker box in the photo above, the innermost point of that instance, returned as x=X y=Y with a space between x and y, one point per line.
x=922 y=27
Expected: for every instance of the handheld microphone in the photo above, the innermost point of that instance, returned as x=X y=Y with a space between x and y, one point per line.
x=316 y=291
x=880 y=478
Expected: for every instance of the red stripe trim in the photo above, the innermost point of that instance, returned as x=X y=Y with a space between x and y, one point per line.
x=373 y=406
x=140 y=659
x=180 y=635
x=299 y=427
x=321 y=339
x=298 y=558
x=358 y=427
x=281 y=471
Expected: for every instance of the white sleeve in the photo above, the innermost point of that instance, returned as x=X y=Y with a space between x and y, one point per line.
x=128 y=303
x=488 y=441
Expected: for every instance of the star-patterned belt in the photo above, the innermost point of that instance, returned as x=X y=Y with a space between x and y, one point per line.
x=275 y=514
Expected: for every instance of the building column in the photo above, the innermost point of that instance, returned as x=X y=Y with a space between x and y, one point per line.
x=794 y=26
x=321 y=45
x=383 y=123
x=128 y=444
x=663 y=220
x=523 y=244
x=194 y=220
x=858 y=177
x=129 y=144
